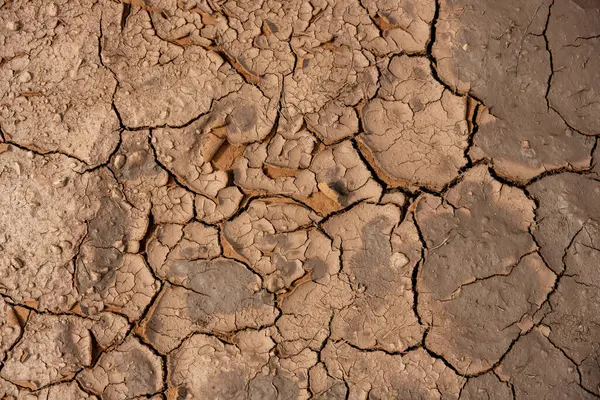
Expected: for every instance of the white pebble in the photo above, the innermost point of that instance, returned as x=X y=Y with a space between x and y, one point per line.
x=12 y=25
x=25 y=77
x=119 y=161
x=52 y=10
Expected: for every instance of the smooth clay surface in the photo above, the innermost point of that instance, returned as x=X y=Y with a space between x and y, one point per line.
x=299 y=199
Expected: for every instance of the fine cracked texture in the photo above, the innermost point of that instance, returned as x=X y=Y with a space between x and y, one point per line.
x=301 y=199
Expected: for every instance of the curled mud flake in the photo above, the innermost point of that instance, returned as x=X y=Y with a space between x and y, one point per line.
x=52 y=349
x=244 y=116
x=168 y=324
x=565 y=208
x=573 y=320
x=219 y=295
x=526 y=368
x=476 y=326
x=574 y=40
x=160 y=83
x=250 y=173
x=335 y=178
x=184 y=24
x=379 y=255
x=500 y=57
x=375 y=374
x=415 y=132
x=300 y=199
x=404 y=25
x=254 y=38
x=129 y=370
x=205 y=367
x=57 y=98
x=487 y=386
x=477 y=241
x=279 y=241
x=343 y=177
x=189 y=154
x=221 y=208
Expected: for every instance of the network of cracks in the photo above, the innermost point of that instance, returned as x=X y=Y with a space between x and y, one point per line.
x=300 y=199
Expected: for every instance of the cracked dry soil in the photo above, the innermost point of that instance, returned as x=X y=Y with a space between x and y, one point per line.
x=299 y=199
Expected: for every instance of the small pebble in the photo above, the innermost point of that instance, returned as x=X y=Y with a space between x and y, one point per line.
x=119 y=161
x=12 y=25
x=52 y=10
x=25 y=77
x=60 y=182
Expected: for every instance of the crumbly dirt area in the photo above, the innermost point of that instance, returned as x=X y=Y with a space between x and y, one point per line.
x=299 y=199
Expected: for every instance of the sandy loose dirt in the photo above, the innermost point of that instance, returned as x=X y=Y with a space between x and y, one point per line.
x=299 y=199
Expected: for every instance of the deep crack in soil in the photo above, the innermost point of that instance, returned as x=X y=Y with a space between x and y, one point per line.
x=300 y=199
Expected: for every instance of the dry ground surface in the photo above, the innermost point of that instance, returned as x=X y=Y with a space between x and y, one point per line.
x=299 y=199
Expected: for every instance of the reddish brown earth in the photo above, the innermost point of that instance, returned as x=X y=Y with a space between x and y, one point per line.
x=299 y=199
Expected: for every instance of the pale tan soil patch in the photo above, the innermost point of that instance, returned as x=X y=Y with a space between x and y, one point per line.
x=300 y=199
